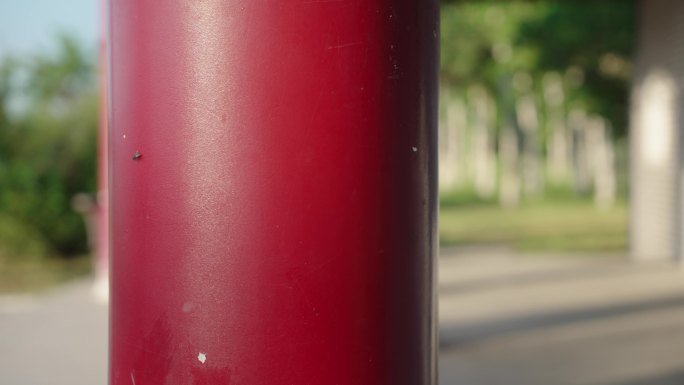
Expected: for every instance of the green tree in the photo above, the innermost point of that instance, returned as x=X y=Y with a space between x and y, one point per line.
x=484 y=42
x=48 y=121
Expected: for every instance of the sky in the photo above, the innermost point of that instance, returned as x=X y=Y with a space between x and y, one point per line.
x=31 y=26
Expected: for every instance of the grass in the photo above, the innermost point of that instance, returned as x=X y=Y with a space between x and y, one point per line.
x=35 y=274
x=565 y=225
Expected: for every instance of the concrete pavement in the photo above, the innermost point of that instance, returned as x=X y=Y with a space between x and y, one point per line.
x=549 y=320
x=54 y=338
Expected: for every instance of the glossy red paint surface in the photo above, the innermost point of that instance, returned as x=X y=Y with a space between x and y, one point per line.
x=278 y=225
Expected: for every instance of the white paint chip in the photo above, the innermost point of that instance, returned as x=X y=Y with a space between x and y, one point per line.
x=414 y=149
x=201 y=357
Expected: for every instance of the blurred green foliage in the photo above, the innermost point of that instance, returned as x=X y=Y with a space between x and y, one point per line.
x=589 y=42
x=490 y=44
x=48 y=128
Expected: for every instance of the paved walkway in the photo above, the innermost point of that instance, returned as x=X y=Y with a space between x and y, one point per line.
x=548 y=320
x=58 y=338
x=505 y=319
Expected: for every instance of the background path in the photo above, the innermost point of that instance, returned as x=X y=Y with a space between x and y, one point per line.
x=549 y=320
x=55 y=338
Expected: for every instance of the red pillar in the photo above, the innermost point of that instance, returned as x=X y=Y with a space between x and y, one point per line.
x=101 y=263
x=273 y=191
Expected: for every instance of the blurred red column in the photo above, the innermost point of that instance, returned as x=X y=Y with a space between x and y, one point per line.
x=101 y=263
x=273 y=191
